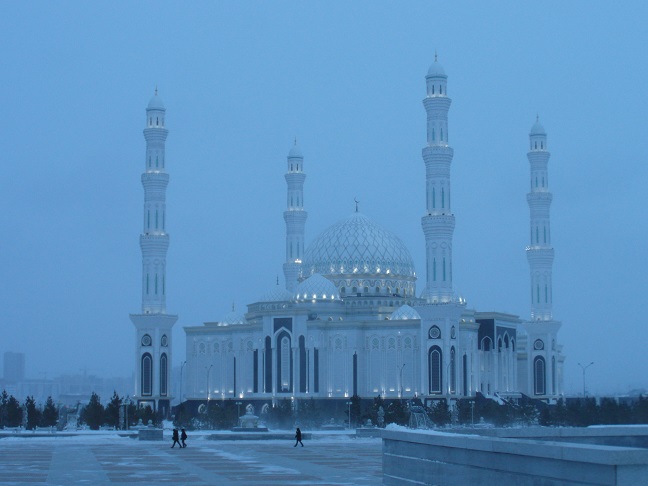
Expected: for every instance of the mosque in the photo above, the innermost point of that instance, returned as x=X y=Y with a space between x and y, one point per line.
x=349 y=319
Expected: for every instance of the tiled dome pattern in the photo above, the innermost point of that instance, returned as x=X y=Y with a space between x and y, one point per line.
x=357 y=245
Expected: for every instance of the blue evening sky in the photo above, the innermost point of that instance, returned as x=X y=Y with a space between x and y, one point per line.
x=240 y=80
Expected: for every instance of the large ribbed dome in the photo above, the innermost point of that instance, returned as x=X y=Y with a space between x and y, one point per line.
x=356 y=252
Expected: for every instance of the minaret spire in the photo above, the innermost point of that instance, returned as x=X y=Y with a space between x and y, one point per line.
x=153 y=337
x=540 y=253
x=438 y=222
x=295 y=217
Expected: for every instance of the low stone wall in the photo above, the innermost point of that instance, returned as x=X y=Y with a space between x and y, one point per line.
x=150 y=434
x=411 y=457
x=612 y=435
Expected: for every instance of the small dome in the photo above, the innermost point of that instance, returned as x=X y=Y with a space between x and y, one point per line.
x=276 y=294
x=156 y=103
x=403 y=313
x=232 y=318
x=316 y=287
x=295 y=152
x=537 y=128
x=436 y=70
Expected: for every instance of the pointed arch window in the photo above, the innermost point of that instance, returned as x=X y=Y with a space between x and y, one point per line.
x=433 y=135
x=434 y=269
x=163 y=375
x=432 y=89
x=441 y=92
x=435 y=382
x=147 y=375
x=453 y=371
x=444 y=269
x=546 y=294
x=433 y=198
x=539 y=376
x=441 y=134
x=442 y=198
x=544 y=234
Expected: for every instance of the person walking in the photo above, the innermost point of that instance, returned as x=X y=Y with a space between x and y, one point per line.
x=175 y=439
x=183 y=437
x=298 y=438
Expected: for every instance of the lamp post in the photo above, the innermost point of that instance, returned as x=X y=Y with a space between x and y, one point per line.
x=181 y=367
x=472 y=412
x=584 y=368
x=400 y=380
x=238 y=409
x=349 y=405
x=208 y=387
x=127 y=403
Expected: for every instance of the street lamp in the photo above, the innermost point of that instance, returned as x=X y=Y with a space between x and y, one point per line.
x=400 y=381
x=181 y=367
x=584 y=368
x=349 y=404
x=238 y=409
x=127 y=403
x=208 y=387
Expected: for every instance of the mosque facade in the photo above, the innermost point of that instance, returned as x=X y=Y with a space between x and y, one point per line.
x=349 y=319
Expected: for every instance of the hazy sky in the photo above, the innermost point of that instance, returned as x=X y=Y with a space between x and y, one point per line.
x=240 y=80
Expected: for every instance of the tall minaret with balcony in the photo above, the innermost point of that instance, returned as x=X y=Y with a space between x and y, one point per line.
x=153 y=337
x=295 y=217
x=438 y=222
x=540 y=253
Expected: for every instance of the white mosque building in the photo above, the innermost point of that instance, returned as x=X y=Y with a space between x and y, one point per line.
x=349 y=319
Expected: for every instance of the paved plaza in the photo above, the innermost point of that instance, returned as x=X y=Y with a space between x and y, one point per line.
x=112 y=459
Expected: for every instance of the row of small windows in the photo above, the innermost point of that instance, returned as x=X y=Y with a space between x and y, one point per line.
x=547 y=296
x=297 y=250
x=157 y=121
x=434 y=270
x=443 y=198
x=299 y=202
x=296 y=168
x=537 y=235
x=440 y=89
x=157 y=161
x=386 y=290
x=148 y=289
x=543 y=181
x=535 y=145
x=440 y=135
x=157 y=219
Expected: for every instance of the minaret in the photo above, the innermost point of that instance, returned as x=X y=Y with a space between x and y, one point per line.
x=438 y=222
x=540 y=253
x=295 y=217
x=153 y=337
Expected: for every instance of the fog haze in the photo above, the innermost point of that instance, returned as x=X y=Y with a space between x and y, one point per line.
x=240 y=81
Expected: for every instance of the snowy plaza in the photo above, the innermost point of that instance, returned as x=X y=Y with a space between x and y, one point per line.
x=106 y=458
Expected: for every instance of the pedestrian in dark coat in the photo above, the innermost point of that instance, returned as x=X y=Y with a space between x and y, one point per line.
x=175 y=439
x=298 y=438
x=183 y=437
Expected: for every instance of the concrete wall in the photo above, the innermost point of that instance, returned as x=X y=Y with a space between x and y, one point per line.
x=411 y=457
x=612 y=435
